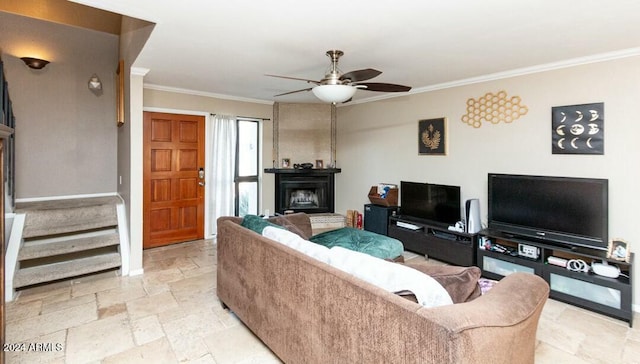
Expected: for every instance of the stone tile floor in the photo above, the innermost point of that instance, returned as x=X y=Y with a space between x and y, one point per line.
x=171 y=314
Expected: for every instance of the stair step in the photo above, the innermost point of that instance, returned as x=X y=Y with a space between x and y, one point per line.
x=52 y=272
x=22 y=207
x=56 y=221
x=32 y=250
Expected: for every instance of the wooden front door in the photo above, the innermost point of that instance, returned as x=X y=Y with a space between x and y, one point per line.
x=173 y=178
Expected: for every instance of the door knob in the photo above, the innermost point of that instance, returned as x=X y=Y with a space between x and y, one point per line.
x=201 y=176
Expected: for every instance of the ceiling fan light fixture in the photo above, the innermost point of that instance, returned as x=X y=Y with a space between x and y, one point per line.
x=334 y=93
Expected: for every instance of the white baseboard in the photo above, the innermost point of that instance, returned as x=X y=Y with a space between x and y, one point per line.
x=136 y=272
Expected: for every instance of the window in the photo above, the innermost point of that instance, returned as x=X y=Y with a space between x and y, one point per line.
x=247 y=166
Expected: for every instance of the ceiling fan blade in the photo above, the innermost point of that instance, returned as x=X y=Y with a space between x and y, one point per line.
x=360 y=75
x=293 y=92
x=295 y=78
x=383 y=87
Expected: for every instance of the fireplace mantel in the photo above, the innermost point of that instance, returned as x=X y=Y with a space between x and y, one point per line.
x=303 y=171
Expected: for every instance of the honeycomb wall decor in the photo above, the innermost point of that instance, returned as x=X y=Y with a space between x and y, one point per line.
x=494 y=108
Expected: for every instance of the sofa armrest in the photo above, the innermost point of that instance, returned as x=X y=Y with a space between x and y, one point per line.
x=502 y=323
x=235 y=219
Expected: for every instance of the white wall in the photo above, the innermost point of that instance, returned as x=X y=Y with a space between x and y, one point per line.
x=377 y=142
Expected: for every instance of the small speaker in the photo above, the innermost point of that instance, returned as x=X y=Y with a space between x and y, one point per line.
x=472 y=215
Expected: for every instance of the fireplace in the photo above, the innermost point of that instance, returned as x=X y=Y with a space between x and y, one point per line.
x=304 y=190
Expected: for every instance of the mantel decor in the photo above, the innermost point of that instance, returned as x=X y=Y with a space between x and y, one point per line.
x=432 y=137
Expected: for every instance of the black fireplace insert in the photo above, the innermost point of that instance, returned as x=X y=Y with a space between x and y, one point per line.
x=304 y=190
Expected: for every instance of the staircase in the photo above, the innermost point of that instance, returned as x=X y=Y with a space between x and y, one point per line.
x=67 y=238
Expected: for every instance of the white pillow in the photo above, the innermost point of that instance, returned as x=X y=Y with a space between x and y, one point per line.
x=296 y=242
x=392 y=277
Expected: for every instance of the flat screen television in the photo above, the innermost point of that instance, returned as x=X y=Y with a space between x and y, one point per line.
x=565 y=210
x=434 y=203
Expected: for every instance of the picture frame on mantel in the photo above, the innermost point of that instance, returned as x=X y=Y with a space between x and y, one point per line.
x=432 y=136
x=120 y=94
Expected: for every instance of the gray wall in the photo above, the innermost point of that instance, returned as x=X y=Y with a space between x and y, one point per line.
x=65 y=134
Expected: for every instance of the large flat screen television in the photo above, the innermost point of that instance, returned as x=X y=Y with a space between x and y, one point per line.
x=434 y=203
x=564 y=210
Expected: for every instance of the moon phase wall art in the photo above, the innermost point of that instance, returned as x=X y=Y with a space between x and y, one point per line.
x=578 y=129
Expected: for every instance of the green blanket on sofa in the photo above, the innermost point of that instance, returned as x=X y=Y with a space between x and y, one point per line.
x=363 y=241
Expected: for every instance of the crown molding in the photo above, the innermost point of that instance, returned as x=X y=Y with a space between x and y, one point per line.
x=603 y=57
x=205 y=94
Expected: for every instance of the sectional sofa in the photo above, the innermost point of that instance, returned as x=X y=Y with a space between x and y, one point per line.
x=307 y=311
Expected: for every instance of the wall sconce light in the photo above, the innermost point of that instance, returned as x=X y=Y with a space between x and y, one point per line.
x=34 y=63
x=94 y=83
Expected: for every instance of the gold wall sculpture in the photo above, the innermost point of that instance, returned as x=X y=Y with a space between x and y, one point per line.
x=493 y=108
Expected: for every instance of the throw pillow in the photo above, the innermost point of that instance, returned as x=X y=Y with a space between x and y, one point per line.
x=377 y=245
x=460 y=282
x=296 y=223
x=392 y=277
x=256 y=223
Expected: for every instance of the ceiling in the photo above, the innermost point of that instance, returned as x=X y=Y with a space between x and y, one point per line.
x=225 y=48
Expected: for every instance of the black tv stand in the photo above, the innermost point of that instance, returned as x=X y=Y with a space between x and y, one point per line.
x=608 y=296
x=434 y=240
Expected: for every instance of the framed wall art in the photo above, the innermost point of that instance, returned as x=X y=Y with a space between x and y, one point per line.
x=619 y=250
x=578 y=129
x=432 y=136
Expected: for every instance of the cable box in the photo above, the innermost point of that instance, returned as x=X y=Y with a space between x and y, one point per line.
x=528 y=251
x=407 y=225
